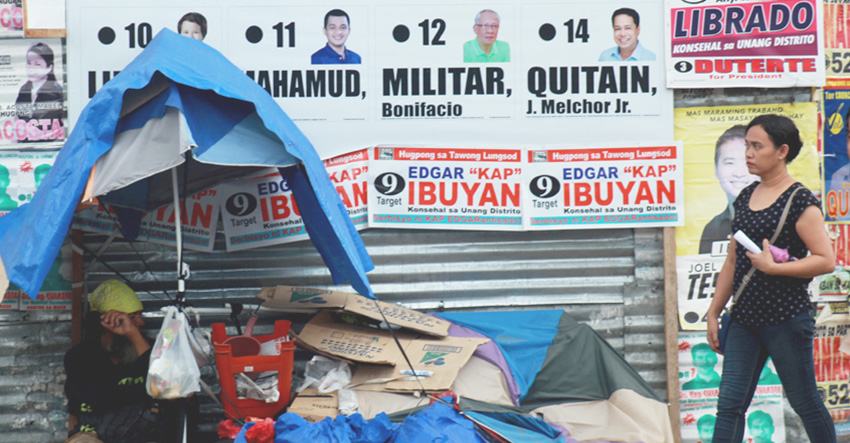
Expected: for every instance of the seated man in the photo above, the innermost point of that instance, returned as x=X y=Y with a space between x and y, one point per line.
x=106 y=373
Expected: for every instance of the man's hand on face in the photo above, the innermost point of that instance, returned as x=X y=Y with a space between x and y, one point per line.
x=119 y=322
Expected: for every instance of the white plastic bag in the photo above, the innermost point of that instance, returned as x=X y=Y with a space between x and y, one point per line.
x=330 y=375
x=173 y=372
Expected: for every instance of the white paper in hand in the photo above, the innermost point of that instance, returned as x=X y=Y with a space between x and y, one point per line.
x=745 y=241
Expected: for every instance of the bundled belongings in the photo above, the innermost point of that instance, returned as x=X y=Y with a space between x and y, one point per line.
x=519 y=375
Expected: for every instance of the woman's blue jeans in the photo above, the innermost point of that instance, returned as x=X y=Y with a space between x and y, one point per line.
x=790 y=346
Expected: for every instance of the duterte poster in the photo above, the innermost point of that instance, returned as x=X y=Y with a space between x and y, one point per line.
x=744 y=43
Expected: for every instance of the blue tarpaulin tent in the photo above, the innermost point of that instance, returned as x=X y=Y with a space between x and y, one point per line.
x=122 y=152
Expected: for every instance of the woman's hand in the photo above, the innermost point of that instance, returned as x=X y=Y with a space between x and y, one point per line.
x=711 y=334
x=764 y=261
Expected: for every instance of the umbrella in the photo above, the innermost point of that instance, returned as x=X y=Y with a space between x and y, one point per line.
x=180 y=112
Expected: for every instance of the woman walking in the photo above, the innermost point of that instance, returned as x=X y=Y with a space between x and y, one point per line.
x=772 y=314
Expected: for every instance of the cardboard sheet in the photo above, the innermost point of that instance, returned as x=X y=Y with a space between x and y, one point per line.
x=314 y=406
x=289 y=298
x=444 y=357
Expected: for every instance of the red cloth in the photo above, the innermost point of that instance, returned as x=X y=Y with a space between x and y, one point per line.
x=262 y=432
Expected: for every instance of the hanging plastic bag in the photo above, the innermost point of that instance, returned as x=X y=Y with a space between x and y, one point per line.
x=173 y=372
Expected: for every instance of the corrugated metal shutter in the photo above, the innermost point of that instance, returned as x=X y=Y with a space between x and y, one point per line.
x=610 y=279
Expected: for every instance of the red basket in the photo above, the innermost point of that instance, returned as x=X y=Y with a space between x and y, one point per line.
x=228 y=366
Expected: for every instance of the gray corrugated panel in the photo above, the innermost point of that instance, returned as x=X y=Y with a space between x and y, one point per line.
x=32 y=401
x=586 y=273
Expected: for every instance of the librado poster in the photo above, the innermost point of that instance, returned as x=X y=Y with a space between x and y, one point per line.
x=755 y=43
x=604 y=187
x=433 y=73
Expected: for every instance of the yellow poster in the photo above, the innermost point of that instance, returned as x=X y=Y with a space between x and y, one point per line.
x=715 y=172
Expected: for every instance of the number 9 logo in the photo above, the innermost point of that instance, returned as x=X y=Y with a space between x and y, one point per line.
x=544 y=186
x=241 y=204
x=389 y=183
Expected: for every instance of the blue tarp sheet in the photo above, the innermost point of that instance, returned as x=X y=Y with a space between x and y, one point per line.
x=215 y=97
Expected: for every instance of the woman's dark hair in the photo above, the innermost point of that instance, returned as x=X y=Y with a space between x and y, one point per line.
x=733 y=133
x=46 y=54
x=782 y=131
x=194 y=17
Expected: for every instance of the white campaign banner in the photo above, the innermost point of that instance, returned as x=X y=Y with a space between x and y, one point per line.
x=260 y=212
x=744 y=43
x=604 y=187
x=446 y=188
x=198 y=222
x=413 y=74
x=350 y=175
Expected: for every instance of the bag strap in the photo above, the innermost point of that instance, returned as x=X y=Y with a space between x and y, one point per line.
x=772 y=239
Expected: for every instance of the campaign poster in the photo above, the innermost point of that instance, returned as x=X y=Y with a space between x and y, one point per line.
x=836 y=16
x=840 y=235
x=432 y=73
x=31 y=94
x=604 y=187
x=10 y=182
x=697 y=425
x=259 y=211
x=744 y=43
x=21 y=172
x=715 y=172
x=446 y=188
x=198 y=222
x=700 y=371
x=836 y=155
x=55 y=293
x=95 y=219
x=11 y=19
x=835 y=287
x=33 y=167
x=832 y=362
x=765 y=422
x=350 y=175
x=10 y=299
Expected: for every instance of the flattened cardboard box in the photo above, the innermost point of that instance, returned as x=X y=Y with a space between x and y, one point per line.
x=444 y=357
x=350 y=343
x=302 y=298
x=315 y=406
